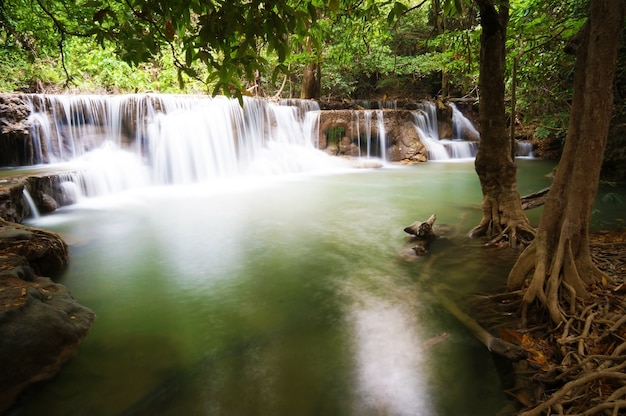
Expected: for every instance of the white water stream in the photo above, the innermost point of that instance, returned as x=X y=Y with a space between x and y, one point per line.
x=130 y=141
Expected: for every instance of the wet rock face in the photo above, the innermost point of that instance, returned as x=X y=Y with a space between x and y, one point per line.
x=45 y=252
x=41 y=325
x=15 y=143
x=46 y=191
x=348 y=126
x=12 y=205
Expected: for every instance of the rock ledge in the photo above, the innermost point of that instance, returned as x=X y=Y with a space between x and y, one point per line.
x=41 y=325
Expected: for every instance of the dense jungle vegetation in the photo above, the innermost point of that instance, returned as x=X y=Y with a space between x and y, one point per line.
x=362 y=49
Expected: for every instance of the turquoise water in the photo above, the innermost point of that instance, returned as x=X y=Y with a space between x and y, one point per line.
x=279 y=297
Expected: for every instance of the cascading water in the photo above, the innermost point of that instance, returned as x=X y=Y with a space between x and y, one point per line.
x=382 y=139
x=138 y=140
x=445 y=149
x=367 y=119
x=426 y=125
x=371 y=143
x=524 y=148
x=462 y=127
x=131 y=141
x=460 y=123
x=34 y=212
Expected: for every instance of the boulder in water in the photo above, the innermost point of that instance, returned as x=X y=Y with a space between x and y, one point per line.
x=41 y=325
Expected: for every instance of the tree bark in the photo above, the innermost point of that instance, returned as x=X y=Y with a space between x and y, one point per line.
x=503 y=217
x=312 y=78
x=559 y=260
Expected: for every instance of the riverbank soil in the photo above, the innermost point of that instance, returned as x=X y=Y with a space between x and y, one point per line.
x=577 y=367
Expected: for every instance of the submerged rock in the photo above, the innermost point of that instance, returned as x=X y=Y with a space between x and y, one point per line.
x=41 y=325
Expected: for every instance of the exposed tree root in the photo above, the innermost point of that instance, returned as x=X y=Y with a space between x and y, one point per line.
x=514 y=233
x=575 y=366
x=557 y=282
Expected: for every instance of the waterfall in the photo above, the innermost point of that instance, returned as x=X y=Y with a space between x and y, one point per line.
x=445 y=149
x=367 y=119
x=382 y=140
x=34 y=212
x=136 y=140
x=461 y=125
x=524 y=148
x=357 y=123
x=426 y=125
x=436 y=150
x=374 y=139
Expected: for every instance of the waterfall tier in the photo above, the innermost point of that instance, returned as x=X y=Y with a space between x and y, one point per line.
x=113 y=143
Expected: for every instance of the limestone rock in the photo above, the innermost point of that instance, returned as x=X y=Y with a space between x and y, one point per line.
x=45 y=252
x=41 y=325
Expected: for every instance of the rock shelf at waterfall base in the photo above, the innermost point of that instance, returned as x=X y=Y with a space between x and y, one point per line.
x=41 y=325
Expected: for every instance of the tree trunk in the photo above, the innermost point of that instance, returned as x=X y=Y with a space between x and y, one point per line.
x=503 y=217
x=311 y=81
x=312 y=78
x=558 y=262
x=440 y=25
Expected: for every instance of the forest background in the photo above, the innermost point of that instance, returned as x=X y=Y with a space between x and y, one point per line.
x=347 y=50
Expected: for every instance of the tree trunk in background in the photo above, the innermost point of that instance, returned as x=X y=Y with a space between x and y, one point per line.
x=311 y=84
x=440 y=26
x=503 y=217
x=559 y=261
x=312 y=78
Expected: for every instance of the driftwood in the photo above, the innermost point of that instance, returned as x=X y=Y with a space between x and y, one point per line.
x=422 y=229
x=534 y=200
x=494 y=344
x=422 y=233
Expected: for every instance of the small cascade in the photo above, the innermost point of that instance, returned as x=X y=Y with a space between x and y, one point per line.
x=445 y=149
x=368 y=132
x=430 y=137
x=34 y=212
x=388 y=104
x=357 y=124
x=367 y=120
x=65 y=127
x=382 y=140
x=524 y=148
x=303 y=106
x=108 y=169
x=461 y=125
x=377 y=104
